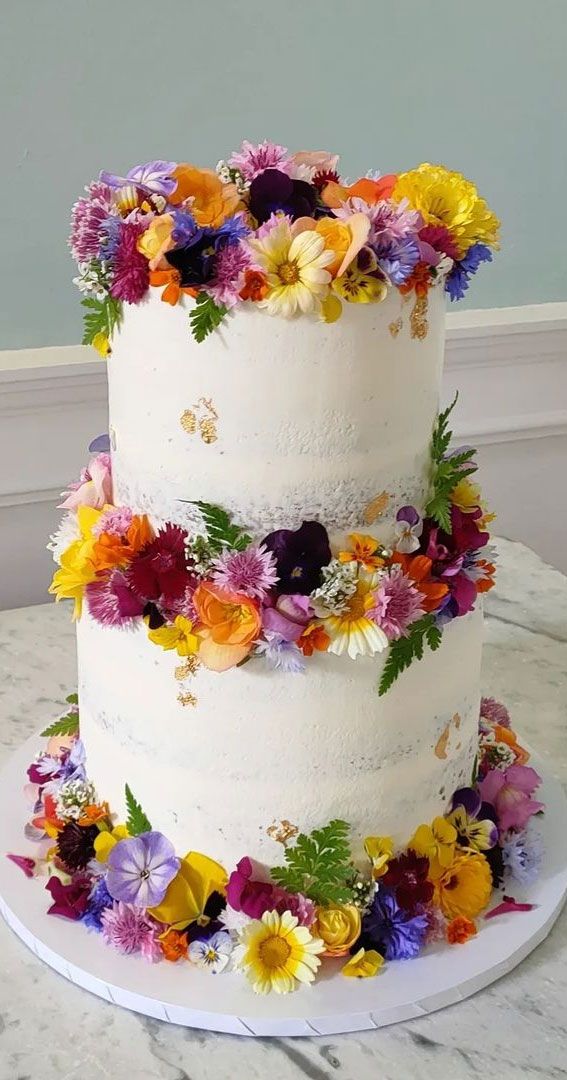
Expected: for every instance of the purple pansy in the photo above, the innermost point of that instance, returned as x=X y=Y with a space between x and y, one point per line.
x=300 y=556
x=140 y=868
x=274 y=191
x=408 y=529
x=154 y=177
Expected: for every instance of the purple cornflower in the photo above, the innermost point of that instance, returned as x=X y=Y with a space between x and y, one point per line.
x=281 y=654
x=522 y=854
x=394 y=932
x=88 y=219
x=230 y=263
x=458 y=279
x=251 y=159
x=252 y=572
x=130 y=930
x=99 y=899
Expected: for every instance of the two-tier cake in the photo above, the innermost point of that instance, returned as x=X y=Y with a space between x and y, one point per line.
x=276 y=557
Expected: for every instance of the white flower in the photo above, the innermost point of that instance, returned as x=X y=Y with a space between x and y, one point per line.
x=64 y=536
x=339 y=584
x=214 y=954
x=72 y=797
x=407 y=536
x=233 y=921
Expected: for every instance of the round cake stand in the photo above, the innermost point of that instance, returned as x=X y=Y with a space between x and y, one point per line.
x=181 y=994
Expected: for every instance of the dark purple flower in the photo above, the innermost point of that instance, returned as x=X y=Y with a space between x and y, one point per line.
x=99 y=900
x=140 y=869
x=70 y=901
x=300 y=555
x=274 y=191
x=75 y=844
x=159 y=571
x=195 y=261
x=407 y=877
x=395 y=933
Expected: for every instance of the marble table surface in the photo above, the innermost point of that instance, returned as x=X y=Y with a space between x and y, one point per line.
x=515 y=1028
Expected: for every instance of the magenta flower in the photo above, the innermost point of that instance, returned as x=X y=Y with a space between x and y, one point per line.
x=251 y=572
x=251 y=160
x=507 y=905
x=154 y=177
x=253 y=898
x=130 y=930
x=131 y=274
x=25 y=863
x=397 y=604
x=94 y=486
x=494 y=712
x=140 y=868
x=510 y=793
x=71 y=900
x=111 y=600
x=230 y=263
x=435 y=241
x=88 y=218
x=159 y=571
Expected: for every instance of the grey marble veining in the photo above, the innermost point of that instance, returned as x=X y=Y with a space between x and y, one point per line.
x=516 y=1028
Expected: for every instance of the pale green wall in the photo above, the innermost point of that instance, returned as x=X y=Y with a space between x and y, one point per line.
x=479 y=85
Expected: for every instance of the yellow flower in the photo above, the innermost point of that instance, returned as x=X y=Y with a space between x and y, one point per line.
x=295 y=269
x=106 y=840
x=331 y=308
x=437 y=842
x=186 y=896
x=344 y=239
x=178 y=636
x=77 y=568
x=276 y=953
x=380 y=849
x=357 y=286
x=101 y=343
x=364 y=550
x=467 y=496
x=157 y=239
x=447 y=198
x=364 y=964
x=338 y=926
x=353 y=632
x=465 y=886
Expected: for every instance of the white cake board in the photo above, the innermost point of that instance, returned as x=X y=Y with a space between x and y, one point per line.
x=180 y=994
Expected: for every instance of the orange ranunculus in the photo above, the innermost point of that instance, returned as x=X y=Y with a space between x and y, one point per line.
x=314 y=637
x=173 y=289
x=418 y=568
x=110 y=550
x=229 y=623
x=371 y=191
x=460 y=929
x=212 y=201
x=255 y=285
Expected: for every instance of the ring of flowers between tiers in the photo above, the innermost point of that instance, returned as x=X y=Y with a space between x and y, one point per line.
x=126 y=882
x=278 y=230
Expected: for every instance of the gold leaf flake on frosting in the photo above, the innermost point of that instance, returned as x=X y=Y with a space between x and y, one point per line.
x=419 y=325
x=441 y=744
x=396 y=326
x=185 y=697
x=187 y=668
x=189 y=422
x=283 y=832
x=376 y=507
x=457 y=720
x=201 y=417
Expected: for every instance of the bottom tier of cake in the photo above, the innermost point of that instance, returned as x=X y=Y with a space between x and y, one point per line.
x=220 y=761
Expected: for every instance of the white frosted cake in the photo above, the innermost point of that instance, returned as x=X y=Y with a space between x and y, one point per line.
x=277 y=561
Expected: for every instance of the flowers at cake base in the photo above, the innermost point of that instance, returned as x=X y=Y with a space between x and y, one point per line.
x=130 y=930
x=380 y=849
x=510 y=793
x=464 y=887
x=364 y=964
x=436 y=842
x=71 y=897
x=466 y=808
x=338 y=927
x=190 y=891
x=407 y=876
x=140 y=868
x=460 y=930
x=212 y=954
x=522 y=854
x=391 y=930
x=295 y=269
x=276 y=953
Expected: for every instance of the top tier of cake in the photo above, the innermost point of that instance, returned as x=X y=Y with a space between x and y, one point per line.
x=278 y=421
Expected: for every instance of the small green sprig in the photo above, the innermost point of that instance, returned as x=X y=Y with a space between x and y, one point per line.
x=446 y=471
x=136 y=822
x=206 y=316
x=67 y=724
x=101 y=317
x=319 y=865
x=221 y=532
x=407 y=649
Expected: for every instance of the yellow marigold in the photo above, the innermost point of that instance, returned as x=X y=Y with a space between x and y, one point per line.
x=338 y=926
x=449 y=199
x=464 y=887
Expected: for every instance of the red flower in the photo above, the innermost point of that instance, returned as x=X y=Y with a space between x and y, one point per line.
x=70 y=900
x=159 y=572
x=407 y=875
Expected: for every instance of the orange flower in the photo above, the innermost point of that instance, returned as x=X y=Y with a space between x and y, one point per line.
x=157 y=239
x=364 y=550
x=173 y=289
x=94 y=812
x=255 y=285
x=372 y=191
x=506 y=735
x=418 y=281
x=211 y=200
x=110 y=550
x=174 y=945
x=48 y=820
x=460 y=929
x=486 y=583
x=229 y=623
x=418 y=568
x=314 y=637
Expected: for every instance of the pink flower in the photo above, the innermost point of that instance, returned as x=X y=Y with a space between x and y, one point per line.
x=397 y=604
x=494 y=712
x=230 y=264
x=131 y=273
x=70 y=901
x=25 y=863
x=115 y=521
x=130 y=930
x=251 y=572
x=296 y=903
x=111 y=601
x=289 y=616
x=253 y=898
x=254 y=159
x=94 y=487
x=87 y=222
x=507 y=905
x=510 y=793
x=388 y=221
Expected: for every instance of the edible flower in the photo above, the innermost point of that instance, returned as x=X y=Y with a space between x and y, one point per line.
x=156 y=240
x=295 y=268
x=366 y=550
x=436 y=842
x=188 y=892
x=338 y=926
x=380 y=849
x=364 y=964
x=354 y=631
x=460 y=930
x=106 y=840
x=276 y=953
x=180 y=635
x=510 y=793
x=464 y=886
x=229 y=623
x=446 y=198
x=209 y=201
x=466 y=808
x=140 y=868
x=212 y=954
x=94 y=487
x=174 y=290
x=77 y=567
x=359 y=284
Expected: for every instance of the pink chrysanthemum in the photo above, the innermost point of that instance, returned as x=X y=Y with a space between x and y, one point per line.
x=87 y=220
x=388 y=221
x=116 y=521
x=131 y=275
x=231 y=262
x=253 y=160
x=252 y=572
x=130 y=930
x=397 y=604
x=494 y=712
x=111 y=601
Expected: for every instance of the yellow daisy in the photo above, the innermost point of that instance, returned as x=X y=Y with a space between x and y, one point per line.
x=353 y=632
x=295 y=269
x=276 y=953
x=449 y=199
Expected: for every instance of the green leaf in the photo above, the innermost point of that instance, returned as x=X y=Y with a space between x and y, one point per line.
x=407 y=649
x=221 y=533
x=65 y=725
x=441 y=437
x=136 y=822
x=319 y=865
x=101 y=317
x=72 y=699
x=205 y=316
x=446 y=471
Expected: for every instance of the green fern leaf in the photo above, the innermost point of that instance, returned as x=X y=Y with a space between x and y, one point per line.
x=221 y=532
x=65 y=725
x=407 y=649
x=206 y=316
x=101 y=317
x=136 y=822
x=319 y=865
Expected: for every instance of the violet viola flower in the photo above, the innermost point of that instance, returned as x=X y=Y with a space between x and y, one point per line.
x=300 y=556
x=140 y=869
x=154 y=177
x=473 y=820
x=408 y=529
x=273 y=190
x=289 y=616
x=510 y=793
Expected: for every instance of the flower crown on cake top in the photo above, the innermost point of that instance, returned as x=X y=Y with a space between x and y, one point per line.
x=314 y=912
x=282 y=231
x=220 y=598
